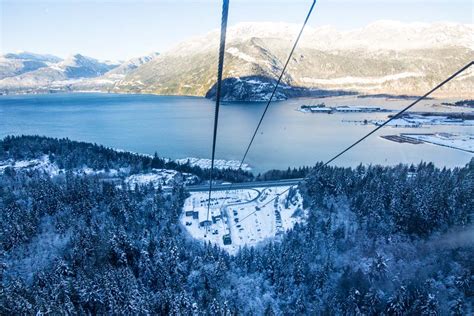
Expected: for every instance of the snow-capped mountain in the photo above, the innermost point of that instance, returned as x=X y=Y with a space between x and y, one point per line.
x=128 y=66
x=383 y=57
x=79 y=66
x=77 y=72
x=107 y=81
x=52 y=75
x=18 y=63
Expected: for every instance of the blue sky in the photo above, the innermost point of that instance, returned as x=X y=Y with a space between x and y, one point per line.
x=122 y=29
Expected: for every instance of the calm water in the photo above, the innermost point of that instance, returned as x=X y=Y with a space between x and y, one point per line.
x=179 y=127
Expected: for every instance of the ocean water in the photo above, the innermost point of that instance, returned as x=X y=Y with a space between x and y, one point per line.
x=178 y=127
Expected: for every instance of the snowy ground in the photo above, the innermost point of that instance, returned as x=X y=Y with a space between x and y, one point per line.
x=457 y=141
x=163 y=177
x=243 y=215
x=45 y=165
x=219 y=164
x=437 y=120
x=42 y=164
x=420 y=120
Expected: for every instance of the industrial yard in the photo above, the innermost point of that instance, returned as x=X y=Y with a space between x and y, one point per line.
x=242 y=217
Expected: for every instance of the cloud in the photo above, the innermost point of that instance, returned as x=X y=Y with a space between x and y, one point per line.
x=455 y=239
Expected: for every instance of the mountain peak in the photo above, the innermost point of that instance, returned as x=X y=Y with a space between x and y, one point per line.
x=79 y=56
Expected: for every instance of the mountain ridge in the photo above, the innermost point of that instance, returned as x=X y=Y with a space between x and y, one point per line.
x=383 y=57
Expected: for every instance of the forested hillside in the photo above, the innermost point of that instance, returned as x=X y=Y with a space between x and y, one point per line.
x=70 y=155
x=378 y=240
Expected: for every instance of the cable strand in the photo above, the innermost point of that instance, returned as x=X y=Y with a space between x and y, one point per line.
x=225 y=12
x=277 y=83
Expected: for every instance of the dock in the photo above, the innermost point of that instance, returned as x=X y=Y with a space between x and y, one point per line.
x=402 y=139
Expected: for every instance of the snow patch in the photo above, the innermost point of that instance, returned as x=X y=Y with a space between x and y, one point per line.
x=42 y=164
x=45 y=165
x=89 y=171
x=237 y=53
x=160 y=177
x=218 y=163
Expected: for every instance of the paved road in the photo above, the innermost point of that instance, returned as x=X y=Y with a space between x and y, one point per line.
x=244 y=185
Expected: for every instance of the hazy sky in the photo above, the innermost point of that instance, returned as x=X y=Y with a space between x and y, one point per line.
x=122 y=29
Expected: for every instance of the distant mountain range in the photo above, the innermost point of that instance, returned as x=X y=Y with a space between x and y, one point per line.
x=383 y=57
x=28 y=72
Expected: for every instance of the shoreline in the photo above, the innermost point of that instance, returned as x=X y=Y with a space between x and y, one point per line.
x=357 y=95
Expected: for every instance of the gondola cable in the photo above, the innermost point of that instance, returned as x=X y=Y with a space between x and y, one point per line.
x=225 y=11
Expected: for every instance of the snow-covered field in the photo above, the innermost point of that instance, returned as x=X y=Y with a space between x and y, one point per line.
x=163 y=177
x=242 y=215
x=218 y=163
x=457 y=141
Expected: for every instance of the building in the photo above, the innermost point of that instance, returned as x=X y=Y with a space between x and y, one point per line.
x=194 y=214
x=203 y=219
x=216 y=218
x=370 y=109
x=348 y=109
x=318 y=109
